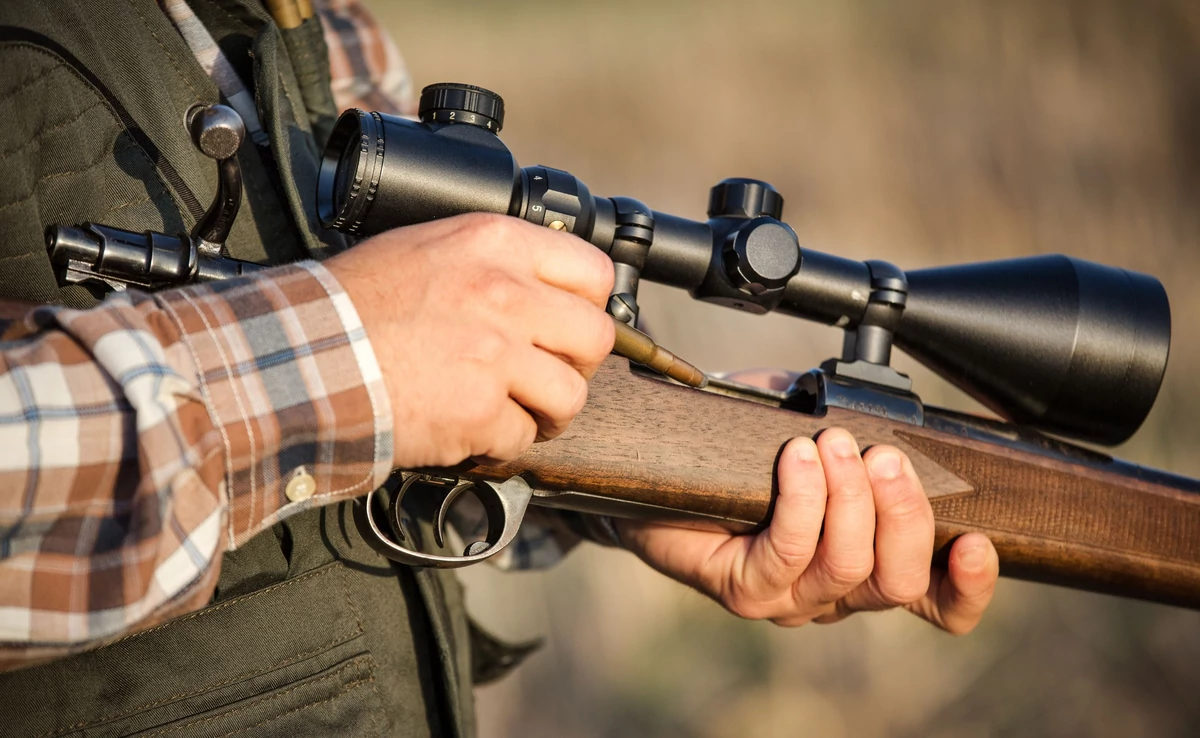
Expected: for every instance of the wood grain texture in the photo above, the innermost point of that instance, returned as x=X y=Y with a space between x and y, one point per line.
x=1066 y=524
x=646 y=448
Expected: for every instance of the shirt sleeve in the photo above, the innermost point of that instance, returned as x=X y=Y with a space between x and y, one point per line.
x=365 y=67
x=144 y=437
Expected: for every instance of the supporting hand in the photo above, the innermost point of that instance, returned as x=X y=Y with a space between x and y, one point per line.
x=849 y=533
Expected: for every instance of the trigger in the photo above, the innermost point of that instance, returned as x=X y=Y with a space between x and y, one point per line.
x=439 y=527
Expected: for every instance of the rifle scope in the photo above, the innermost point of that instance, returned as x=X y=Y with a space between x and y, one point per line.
x=1055 y=343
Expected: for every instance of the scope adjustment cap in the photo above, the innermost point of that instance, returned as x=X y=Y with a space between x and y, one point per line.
x=738 y=197
x=762 y=255
x=450 y=102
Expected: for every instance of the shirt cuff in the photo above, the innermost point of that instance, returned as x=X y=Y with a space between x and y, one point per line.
x=294 y=388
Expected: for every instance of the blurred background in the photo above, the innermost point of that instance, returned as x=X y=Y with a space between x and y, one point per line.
x=919 y=132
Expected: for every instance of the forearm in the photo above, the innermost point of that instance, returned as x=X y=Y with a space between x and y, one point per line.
x=147 y=436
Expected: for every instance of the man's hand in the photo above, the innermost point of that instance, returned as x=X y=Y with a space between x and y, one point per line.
x=850 y=532
x=486 y=329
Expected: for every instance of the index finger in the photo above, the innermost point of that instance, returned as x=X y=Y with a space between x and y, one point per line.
x=568 y=262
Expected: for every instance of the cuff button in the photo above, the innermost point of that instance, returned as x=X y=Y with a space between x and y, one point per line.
x=301 y=486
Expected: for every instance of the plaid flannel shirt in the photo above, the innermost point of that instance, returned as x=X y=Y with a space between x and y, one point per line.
x=146 y=436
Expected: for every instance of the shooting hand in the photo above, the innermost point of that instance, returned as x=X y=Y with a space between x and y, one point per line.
x=850 y=532
x=486 y=329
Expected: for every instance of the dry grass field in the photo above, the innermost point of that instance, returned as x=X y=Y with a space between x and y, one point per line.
x=919 y=132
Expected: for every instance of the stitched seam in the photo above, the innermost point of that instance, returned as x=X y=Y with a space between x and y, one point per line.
x=112 y=113
x=269 y=698
x=14 y=203
x=322 y=277
x=95 y=162
x=162 y=46
x=31 y=82
x=37 y=137
x=354 y=487
x=131 y=203
x=347 y=688
x=378 y=699
x=236 y=389
x=246 y=675
x=357 y=613
x=208 y=405
x=249 y=29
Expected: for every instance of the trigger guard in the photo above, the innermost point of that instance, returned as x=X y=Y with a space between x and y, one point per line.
x=504 y=500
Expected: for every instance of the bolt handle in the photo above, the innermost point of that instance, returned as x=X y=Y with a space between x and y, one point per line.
x=218 y=132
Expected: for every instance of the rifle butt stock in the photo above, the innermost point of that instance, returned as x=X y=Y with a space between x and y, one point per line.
x=1058 y=514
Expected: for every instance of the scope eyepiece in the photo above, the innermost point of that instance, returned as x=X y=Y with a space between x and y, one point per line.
x=380 y=171
x=350 y=170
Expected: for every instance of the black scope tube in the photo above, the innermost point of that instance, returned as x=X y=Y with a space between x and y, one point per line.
x=381 y=172
x=1046 y=343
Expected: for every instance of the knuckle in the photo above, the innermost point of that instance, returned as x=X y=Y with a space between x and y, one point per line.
x=575 y=393
x=908 y=510
x=603 y=335
x=525 y=438
x=486 y=347
x=516 y=442
x=850 y=571
x=484 y=228
x=792 y=621
x=485 y=408
x=605 y=273
x=903 y=590
x=793 y=553
x=746 y=608
x=959 y=626
x=497 y=289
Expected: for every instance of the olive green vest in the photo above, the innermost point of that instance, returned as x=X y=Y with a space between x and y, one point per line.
x=310 y=632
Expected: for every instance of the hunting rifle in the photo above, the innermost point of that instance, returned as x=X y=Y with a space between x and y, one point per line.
x=1058 y=346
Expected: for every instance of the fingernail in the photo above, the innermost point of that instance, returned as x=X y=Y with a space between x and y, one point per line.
x=973 y=557
x=843 y=446
x=885 y=464
x=805 y=449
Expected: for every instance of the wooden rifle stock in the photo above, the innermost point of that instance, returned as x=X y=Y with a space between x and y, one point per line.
x=643 y=447
x=647 y=448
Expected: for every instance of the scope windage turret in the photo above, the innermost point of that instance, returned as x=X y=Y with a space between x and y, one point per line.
x=1054 y=343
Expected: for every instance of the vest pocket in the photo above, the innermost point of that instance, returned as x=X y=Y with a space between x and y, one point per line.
x=340 y=700
x=287 y=660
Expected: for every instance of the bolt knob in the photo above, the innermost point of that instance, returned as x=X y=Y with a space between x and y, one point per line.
x=738 y=197
x=217 y=130
x=763 y=255
x=448 y=102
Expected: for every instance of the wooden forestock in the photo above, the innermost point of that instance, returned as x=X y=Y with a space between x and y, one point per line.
x=646 y=448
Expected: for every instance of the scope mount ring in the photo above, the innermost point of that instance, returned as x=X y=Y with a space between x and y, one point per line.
x=504 y=504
